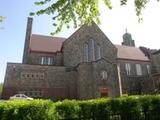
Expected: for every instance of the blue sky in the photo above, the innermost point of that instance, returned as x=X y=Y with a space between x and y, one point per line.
x=13 y=35
x=114 y=23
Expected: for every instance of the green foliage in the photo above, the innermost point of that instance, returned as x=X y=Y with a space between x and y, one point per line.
x=79 y=12
x=66 y=109
x=116 y=105
x=2 y=18
x=86 y=108
x=24 y=110
x=130 y=107
x=1 y=87
x=124 y=108
x=76 y=11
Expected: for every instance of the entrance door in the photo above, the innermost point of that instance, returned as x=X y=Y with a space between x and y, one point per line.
x=104 y=92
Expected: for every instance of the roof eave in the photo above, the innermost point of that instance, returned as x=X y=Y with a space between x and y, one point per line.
x=134 y=60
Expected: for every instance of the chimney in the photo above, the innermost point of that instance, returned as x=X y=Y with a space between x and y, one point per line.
x=27 y=40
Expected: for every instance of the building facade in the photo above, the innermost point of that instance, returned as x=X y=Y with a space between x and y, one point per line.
x=86 y=65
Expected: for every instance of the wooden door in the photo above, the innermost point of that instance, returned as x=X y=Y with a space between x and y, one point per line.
x=104 y=92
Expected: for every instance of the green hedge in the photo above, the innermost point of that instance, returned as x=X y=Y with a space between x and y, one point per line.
x=24 y=110
x=124 y=108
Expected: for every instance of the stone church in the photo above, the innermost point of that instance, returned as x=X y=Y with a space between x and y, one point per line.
x=86 y=65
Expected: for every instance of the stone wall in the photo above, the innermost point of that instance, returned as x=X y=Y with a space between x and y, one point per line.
x=35 y=58
x=146 y=84
x=125 y=79
x=156 y=62
x=90 y=80
x=139 y=85
x=53 y=82
x=73 y=46
x=155 y=79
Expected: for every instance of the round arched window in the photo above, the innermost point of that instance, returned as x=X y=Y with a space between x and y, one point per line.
x=104 y=75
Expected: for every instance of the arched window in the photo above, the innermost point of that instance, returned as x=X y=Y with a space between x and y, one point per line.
x=128 y=68
x=139 y=70
x=91 y=50
x=85 y=52
x=148 y=69
x=104 y=75
x=98 y=52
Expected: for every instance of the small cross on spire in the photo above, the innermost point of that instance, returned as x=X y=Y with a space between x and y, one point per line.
x=126 y=30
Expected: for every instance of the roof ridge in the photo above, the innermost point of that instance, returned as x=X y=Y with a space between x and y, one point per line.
x=126 y=46
x=48 y=36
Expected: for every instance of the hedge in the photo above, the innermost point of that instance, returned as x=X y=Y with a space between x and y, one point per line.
x=24 y=110
x=121 y=108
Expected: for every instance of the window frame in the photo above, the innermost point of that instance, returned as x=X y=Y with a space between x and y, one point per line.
x=98 y=52
x=42 y=60
x=139 y=69
x=148 y=69
x=92 y=50
x=45 y=60
x=128 y=68
x=86 y=52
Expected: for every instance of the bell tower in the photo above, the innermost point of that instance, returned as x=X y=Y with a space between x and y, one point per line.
x=127 y=39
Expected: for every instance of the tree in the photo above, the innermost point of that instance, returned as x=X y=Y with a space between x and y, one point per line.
x=2 y=18
x=1 y=87
x=79 y=11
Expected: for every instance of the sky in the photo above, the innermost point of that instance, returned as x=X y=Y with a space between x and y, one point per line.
x=113 y=24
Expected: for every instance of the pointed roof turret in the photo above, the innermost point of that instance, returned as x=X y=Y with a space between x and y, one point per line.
x=127 y=39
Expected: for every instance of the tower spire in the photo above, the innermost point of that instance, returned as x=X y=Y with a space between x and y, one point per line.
x=126 y=30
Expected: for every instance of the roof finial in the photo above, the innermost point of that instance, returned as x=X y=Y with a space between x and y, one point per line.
x=126 y=30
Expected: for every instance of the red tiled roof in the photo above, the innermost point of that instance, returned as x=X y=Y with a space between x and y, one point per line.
x=49 y=44
x=41 y=43
x=130 y=53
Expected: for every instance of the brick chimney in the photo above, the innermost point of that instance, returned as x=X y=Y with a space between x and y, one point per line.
x=27 y=40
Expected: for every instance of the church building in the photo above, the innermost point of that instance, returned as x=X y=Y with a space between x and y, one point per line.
x=86 y=65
